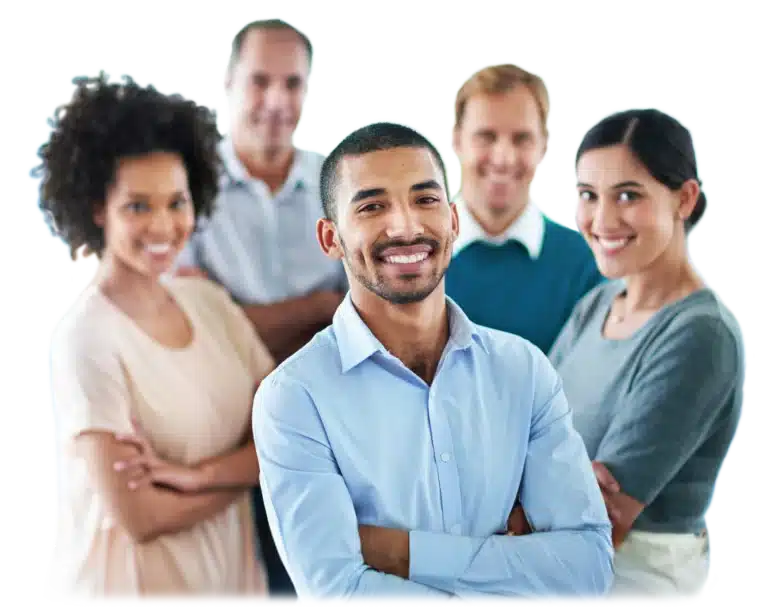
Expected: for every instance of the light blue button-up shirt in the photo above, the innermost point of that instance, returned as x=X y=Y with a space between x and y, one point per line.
x=347 y=435
x=263 y=247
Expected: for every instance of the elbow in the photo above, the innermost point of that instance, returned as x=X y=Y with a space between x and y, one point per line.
x=598 y=579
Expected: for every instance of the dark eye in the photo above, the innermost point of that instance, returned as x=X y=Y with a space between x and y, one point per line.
x=587 y=196
x=372 y=207
x=179 y=203
x=260 y=80
x=428 y=199
x=138 y=207
x=293 y=83
x=486 y=137
x=628 y=196
x=524 y=138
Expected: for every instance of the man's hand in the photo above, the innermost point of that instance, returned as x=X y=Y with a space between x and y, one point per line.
x=517 y=524
x=386 y=549
x=191 y=271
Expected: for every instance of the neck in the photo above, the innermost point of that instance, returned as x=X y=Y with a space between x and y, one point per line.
x=669 y=278
x=270 y=165
x=134 y=291
x=415 y=333
x=494 y=222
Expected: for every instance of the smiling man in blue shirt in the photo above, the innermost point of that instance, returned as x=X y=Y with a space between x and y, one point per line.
x=393 y=446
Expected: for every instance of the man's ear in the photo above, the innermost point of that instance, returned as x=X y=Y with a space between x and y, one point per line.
x=328 y=237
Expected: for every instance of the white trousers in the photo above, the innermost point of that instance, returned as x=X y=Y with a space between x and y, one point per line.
x=661 y=564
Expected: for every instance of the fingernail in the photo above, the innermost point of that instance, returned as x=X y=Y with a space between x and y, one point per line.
x=132 y=485
x=119 y=466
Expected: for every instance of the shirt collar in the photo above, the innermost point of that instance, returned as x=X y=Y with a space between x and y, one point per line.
x=357 y=343
x=299 y=177
x=528 y=229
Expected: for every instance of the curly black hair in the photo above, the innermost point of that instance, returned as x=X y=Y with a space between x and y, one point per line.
x=103 y=123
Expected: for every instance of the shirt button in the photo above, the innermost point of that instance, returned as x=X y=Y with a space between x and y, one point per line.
x=456 y=529
x=445 y=457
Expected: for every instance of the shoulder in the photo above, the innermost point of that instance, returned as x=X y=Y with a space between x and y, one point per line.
x=86 y=326
x=290 y=391
x=199 y=291
x=311 y=159
x=316 y=362
x=86 y=346
x=510 y=354
x=595 y=302
x=569 y=247
x=702 y=328
x=565 y=235
x=311 y=165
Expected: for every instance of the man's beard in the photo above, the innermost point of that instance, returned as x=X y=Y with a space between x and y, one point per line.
x=378 y=285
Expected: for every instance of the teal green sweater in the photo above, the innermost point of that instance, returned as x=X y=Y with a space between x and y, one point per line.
x=503 y=288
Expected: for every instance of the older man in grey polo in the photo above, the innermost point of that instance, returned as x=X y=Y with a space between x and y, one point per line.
x=260 y=243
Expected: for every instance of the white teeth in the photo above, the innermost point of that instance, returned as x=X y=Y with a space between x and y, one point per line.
x=614 y=244
x=407 y=258
x=158 y=249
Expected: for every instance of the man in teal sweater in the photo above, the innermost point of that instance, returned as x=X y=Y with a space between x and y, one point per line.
x=513 y=269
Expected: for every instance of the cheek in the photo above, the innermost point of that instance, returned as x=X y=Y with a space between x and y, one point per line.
x=187 y=221
x=583 y=217
x=471 y=156
x=650 y=222
x=531 y=158
x=120 y=228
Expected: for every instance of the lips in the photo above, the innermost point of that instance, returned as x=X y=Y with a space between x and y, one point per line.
x=613 y=245
x=406 y=258
x=158 y=249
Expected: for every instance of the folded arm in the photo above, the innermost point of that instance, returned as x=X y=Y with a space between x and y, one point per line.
x=569 y=552
x=147 y=512
x=678 y=395
x=310 y=510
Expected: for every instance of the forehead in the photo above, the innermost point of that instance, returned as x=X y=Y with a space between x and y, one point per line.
x=151 y=173
x=610 y=165
x=393 y=170
x=515 y=109
x=277 y=51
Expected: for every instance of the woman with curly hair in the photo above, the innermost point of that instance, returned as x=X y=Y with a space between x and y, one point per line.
x=153 y=376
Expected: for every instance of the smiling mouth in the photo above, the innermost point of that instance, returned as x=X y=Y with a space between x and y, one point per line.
x=406 y=259
x=158 y=249
x=613 y=245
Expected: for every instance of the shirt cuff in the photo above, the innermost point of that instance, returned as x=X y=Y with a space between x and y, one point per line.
x=438 y=559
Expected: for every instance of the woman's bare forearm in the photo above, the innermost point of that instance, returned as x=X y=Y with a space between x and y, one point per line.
x=237 y=469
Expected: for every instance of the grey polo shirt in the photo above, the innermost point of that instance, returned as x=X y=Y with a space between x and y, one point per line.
x=262 y=247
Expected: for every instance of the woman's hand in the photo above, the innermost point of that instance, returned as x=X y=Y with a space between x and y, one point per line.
x=149 y=468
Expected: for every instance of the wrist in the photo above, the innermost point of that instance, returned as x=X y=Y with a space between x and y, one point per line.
x=206 y=477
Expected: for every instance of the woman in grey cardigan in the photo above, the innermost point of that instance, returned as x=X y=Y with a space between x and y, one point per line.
x=651 y=361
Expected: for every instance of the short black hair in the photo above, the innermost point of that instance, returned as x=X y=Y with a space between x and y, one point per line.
x=661 y=143
x=374 y=137
x=265 y=24
x=105 y=122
